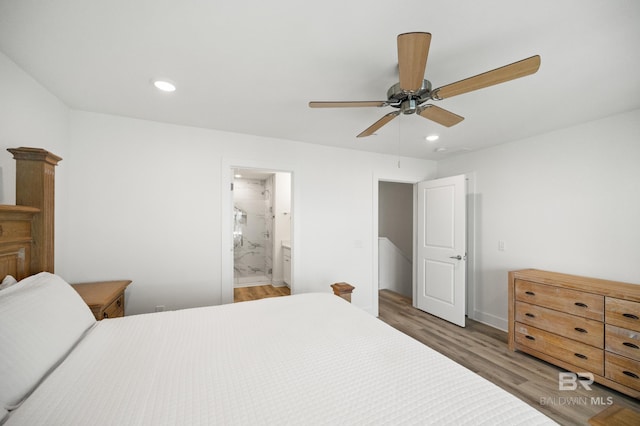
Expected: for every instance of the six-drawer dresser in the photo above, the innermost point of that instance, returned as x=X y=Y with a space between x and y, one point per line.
x=584 y=325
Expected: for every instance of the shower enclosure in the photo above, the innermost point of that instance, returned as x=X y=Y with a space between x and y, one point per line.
x=253 y=231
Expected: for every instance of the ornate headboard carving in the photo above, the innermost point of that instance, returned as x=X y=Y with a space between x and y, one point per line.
x=16 y=240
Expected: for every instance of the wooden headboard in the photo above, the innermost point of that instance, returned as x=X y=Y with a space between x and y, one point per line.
x=16 y=240
x=27 y=229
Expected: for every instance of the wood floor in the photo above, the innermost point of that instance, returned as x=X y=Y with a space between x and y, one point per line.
x=483 y=349
x=243 y=294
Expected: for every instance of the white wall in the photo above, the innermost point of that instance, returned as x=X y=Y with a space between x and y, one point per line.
x=145 y=203
x=395 y=269
x=395 y=215
x=30 y=116
x=142 y=200
x=567 y=201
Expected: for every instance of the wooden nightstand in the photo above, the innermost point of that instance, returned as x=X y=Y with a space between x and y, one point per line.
x=105 y=298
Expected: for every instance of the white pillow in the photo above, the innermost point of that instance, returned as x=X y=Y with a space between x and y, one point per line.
x=40 y=321
x=7 y=282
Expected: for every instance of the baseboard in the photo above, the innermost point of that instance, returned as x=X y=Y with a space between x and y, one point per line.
x=491 y=320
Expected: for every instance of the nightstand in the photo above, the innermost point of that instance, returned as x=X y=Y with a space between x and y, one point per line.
x=104 y=298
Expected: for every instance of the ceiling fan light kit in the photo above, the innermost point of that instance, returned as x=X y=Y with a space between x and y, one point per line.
x=412 y=94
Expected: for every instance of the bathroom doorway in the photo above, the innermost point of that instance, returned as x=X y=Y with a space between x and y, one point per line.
x=261 y=233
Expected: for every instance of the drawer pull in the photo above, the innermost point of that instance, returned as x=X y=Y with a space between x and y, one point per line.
x=630 y=374
x=631 y=316
x=105 y=315
x=119 y=302
x=530 y=337
x=581 y=356
x=530 y=293
x=580 y=330
x=580 y=304
x=631 y=345
x=530 y=315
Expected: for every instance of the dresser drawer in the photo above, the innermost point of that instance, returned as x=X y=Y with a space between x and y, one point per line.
x=575 y=302
x=623 y=313
x=577 y=328
x=579 y=354
x=115 y=309
x=622 y=370
x=623 y=342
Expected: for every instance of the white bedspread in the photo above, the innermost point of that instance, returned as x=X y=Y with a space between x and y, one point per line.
x=305 y=359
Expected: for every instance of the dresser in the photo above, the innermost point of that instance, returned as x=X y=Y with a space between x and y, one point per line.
x=580 y=324
x=104 y=298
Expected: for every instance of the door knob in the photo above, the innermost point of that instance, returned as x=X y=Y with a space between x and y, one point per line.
x=456 y=257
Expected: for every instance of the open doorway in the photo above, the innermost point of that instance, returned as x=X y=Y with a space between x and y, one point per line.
x=393 y=209
x=396 y=237
x=261 y=229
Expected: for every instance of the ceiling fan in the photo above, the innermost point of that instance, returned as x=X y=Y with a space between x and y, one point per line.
x=413 y=93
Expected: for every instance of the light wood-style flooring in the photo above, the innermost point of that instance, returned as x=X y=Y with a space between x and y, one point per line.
x=483 y=349
x=243 y=294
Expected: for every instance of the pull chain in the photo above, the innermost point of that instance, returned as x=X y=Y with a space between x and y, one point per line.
x=399 y=136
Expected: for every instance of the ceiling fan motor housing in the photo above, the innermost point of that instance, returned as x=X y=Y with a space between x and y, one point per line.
x=407 y=101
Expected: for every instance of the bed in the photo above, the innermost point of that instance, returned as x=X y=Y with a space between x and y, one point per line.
x=301 y=359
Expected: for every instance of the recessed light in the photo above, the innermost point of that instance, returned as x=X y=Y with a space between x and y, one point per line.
x=237 y=176
x=164 y=85
x=432 y=138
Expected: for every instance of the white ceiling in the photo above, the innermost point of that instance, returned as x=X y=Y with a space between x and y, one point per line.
x=252 y=66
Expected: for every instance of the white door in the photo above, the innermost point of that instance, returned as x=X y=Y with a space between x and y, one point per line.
x=441 y=251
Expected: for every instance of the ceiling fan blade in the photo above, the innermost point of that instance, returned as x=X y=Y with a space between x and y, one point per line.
x=413 y=49
x=499 y=75
x=440 y=115
x=375 y=126
x=347 y=104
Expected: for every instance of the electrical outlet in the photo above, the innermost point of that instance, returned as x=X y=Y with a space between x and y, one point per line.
x=160 y=308
x=501 y=245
